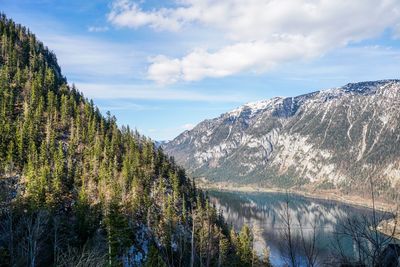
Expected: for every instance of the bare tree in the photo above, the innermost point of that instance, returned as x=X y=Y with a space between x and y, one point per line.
x=73 y=257
x=7 y=233
x=308 y=244
x=259 y=259
x=298 y=241
x=208 y=237
x=34 y=227
x=56 y=237
x=364 y=231
x=287 y=236
x=192 y=240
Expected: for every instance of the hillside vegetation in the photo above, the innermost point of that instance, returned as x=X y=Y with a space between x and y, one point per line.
x=77 y=190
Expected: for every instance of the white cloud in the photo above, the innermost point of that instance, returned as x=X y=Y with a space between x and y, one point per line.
x=259 y=33
x=165 y=70
x=98 y=28
x=257 y=56
x=129 y=14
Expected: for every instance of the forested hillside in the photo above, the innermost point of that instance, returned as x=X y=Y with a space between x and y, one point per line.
x=77 y=190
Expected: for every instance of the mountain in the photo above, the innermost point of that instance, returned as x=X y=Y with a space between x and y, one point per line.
x=77 y=190
x=159 y=143
x=335 y=138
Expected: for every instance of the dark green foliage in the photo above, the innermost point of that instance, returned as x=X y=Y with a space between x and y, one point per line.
x=245 y=246
x=80 y=190
x=154 y=258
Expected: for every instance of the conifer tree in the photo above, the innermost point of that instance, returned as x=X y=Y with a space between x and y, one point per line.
x=59 y=173
x=97 y=189
x=245 y=244
x=154 y=259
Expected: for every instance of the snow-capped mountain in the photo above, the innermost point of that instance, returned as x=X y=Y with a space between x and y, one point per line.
x=331 y=138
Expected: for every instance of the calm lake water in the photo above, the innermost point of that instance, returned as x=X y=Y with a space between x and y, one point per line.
x=311 y=218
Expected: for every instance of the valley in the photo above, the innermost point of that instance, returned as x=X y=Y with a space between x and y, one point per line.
x=343 y=139
x=198 y=133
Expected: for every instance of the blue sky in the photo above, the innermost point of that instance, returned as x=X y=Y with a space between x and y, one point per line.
x=164 y=66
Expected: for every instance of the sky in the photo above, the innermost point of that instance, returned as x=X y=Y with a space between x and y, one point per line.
x=163 y=66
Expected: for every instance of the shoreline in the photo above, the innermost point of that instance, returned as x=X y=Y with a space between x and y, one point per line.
x=328 y=195
x=385 y=226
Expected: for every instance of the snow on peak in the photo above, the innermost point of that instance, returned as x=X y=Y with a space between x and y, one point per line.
x=254 y=107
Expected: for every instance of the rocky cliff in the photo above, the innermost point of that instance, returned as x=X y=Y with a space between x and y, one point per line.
x=335 y=138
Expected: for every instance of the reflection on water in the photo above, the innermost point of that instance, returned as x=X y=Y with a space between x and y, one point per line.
x=309 y=218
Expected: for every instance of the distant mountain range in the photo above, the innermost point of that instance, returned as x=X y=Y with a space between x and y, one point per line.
x=335 y=138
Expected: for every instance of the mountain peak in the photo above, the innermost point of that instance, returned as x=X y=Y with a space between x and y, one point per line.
x=254 y=107
x=335 y=136
x=368 y=86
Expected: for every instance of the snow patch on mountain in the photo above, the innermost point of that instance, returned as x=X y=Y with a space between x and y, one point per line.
x=340 y=135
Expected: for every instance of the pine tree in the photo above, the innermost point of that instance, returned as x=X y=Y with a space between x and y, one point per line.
x=59 y=172
x=117 y=232
x=100 y=187
x=154 y=259
x=223 y=249
x=175 y=186
x=245 y=243
x=10 y=158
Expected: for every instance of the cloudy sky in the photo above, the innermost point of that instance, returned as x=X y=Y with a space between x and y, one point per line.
x=163 y=66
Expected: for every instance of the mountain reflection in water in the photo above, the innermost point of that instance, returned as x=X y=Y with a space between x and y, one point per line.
x=311 y=218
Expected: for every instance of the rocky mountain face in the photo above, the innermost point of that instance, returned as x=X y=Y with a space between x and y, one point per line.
x=335 y=138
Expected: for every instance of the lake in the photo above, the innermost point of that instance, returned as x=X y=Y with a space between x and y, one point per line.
x=309 y=219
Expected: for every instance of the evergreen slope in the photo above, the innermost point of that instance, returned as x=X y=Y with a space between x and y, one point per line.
x=76 y=190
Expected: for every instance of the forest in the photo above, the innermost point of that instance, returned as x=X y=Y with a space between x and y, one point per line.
x=77 y=189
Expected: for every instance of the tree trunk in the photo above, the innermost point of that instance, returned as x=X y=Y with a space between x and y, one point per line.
x=192 y=253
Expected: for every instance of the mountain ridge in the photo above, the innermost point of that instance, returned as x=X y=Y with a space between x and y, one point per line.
x=310 y=138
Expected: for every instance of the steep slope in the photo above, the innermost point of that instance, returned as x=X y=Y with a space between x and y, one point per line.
x=330 y=138
x=77 y=190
